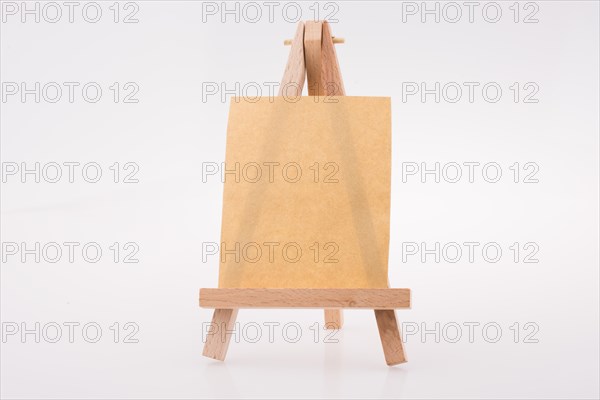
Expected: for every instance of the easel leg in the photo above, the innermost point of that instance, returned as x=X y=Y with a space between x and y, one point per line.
x=218 y=337
x=334 y=319
x=390 y=337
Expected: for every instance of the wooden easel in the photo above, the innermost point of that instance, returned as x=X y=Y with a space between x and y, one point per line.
x=312 y=53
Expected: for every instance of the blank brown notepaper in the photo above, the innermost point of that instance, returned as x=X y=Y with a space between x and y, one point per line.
x=306 y=201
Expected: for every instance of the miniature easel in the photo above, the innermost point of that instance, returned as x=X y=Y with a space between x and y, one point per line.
x=313 y=53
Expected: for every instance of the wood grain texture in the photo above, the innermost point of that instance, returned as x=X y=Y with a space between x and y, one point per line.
x=333 y=85
x=334 y=318
x=331 y=75
x=312 y=56
x=390 y=337
x=217 y=340
x=385 y=299
x=292 y=82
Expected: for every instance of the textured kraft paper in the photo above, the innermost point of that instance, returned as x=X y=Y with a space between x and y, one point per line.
x=286 y=226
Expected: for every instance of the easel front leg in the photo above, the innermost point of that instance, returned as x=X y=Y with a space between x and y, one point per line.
x=390 y=337
x=217 y=341
x=334 y=319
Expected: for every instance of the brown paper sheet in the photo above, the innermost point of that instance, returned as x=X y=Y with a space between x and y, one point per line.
x=306 y=200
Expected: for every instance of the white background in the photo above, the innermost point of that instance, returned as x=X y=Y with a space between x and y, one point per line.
x=171 y=54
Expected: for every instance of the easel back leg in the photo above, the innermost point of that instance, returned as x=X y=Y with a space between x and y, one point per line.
x=334 y=319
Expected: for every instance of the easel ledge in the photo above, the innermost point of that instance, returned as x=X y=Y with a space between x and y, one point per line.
x=380 y=299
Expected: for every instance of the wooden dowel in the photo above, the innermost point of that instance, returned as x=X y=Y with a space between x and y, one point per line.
x=336 y=40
